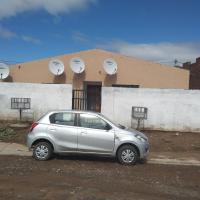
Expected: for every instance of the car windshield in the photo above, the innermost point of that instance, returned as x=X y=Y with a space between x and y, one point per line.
x=118 y=125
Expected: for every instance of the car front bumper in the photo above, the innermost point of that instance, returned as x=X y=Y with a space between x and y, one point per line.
x=144 y=150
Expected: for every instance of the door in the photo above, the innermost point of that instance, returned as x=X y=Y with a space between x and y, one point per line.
x=63 y=131
x=94 y=135
x=94 y=98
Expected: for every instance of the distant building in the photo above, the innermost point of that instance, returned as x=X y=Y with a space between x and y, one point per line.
x=194 y=69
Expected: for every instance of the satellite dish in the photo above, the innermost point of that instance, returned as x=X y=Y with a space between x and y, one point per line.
x=77 y=65
x=4 y=71
x=56 y=67
x=110 y=66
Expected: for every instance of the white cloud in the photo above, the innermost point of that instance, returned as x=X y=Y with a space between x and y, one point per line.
x=80 y=37
x=164 y=52
x=10 y=8
x=30 y=39
x=5 y=33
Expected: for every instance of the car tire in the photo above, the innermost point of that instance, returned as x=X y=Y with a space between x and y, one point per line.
x=127 y=155
x=42 y=151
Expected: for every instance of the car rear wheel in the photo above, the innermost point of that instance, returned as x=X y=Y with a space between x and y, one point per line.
x=42 y=151
x=127 y=155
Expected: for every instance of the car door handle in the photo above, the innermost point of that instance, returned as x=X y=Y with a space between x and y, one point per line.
x=83 y=133
x=52 y=129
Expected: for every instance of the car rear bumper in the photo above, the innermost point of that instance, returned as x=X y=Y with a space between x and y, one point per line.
x=29 y=141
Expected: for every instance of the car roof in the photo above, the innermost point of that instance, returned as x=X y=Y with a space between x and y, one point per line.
x=46 y=116
x=73 y=111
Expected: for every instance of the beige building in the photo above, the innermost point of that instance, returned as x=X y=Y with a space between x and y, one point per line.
x=131 y=72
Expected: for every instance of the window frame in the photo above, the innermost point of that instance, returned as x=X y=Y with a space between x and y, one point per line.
x=72 y=113
x=125 y=86
x=79 y=122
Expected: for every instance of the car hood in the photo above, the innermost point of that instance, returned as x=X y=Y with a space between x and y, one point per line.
x=131 y=131
x=136 y=132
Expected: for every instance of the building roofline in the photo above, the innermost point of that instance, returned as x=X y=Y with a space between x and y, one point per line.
x=100 y=50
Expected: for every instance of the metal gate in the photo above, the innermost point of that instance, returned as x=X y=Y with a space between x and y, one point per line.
x=79 y=100
x=89 y=99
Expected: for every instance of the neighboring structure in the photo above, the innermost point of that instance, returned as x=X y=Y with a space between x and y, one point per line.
x=130 y=72
x=194 y=69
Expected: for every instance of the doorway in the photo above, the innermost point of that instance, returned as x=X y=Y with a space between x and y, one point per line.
x=93 y=90
x=89 y=98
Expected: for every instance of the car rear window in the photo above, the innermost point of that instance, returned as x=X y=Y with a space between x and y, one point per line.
x=63 y=118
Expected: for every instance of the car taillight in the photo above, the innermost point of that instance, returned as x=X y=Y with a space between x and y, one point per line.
x=34 y=124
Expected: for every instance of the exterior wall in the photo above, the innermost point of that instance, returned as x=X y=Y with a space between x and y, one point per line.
x=174 y=110
x=194 y=69
x=44 y=97
x=131 y=71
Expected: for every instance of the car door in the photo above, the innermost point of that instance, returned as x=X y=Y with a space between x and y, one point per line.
x=63 y=131
x=95 y=135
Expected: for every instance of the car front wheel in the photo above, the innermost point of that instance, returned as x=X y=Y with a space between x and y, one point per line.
x=42 y=151
x=127 y=155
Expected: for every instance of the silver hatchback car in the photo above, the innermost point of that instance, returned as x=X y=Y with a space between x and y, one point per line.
x=86 y=133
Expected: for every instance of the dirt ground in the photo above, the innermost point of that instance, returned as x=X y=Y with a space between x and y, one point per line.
x=78 y=178
x=13 y=134
x=162 y=141
x=92 y=178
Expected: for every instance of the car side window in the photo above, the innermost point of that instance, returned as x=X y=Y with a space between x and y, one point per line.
x=92 y=121
x=64 y=118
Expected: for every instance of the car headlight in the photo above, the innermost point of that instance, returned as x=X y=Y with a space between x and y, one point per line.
x=140 y=138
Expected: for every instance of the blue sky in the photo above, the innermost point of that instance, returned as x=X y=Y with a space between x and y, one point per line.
x=156 y=30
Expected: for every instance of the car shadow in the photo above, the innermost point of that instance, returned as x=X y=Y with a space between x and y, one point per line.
x=90 y=158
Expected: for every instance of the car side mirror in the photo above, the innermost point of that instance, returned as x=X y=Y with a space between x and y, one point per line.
x=108 y=127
